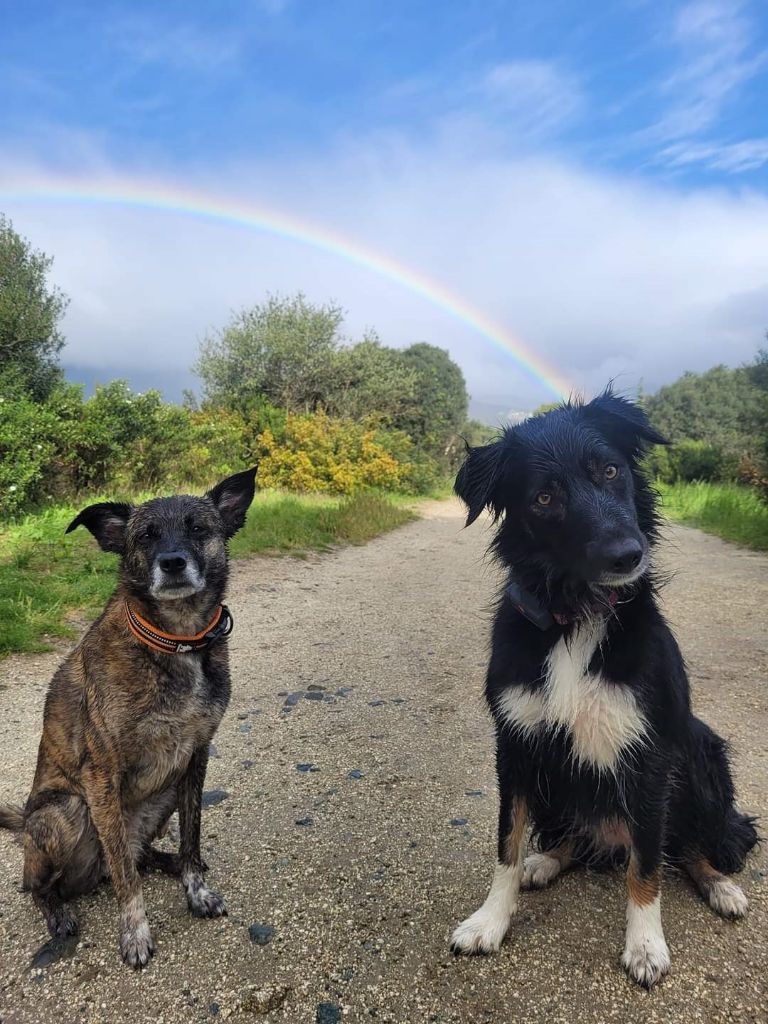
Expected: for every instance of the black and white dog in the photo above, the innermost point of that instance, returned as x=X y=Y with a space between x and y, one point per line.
x=596 y=743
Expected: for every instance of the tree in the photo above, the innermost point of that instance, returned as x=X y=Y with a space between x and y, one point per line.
x=439 y=410
x=757 y=371
x=30 y=313
x=372 y=379
x=721 y=407
x=282 y=350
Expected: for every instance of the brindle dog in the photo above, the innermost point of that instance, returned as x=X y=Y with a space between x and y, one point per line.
x=126 y=725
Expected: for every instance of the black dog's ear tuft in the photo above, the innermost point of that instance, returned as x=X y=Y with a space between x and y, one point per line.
x=107 y=521
x=476 y=480
x=623 y=422
x=232 y=497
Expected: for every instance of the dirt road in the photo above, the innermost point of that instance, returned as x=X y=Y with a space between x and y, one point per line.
x=352 y=811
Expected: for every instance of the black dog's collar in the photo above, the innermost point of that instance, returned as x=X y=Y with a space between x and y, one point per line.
x=168 y=643
x=532 y=609
x=529 y=606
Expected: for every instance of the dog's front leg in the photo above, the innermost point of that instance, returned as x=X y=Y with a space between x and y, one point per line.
x=484 y=931
x=646 y=955
x=202 y=901
x=102 y=793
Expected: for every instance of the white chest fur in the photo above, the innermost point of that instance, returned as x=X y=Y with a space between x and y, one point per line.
x=601 y=717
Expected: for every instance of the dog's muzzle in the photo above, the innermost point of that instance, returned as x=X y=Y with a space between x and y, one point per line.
x=174 y=576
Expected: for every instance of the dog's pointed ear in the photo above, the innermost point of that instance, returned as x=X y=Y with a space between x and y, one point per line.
x=476 y=480
x=232 y=497
x=107 y=521
x=623 y=423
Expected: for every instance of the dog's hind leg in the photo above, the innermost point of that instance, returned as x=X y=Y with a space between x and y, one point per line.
x=202 y=901
x=722 y=894
x=53 y=833
x=542 y=868
x=484 y=931
x=41 y=879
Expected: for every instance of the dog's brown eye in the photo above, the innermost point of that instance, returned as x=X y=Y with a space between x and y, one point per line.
x=611 y=472
x=543 y=498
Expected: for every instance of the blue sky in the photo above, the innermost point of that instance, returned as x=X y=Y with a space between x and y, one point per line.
x=569 y=168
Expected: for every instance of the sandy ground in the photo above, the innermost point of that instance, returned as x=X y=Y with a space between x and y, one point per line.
x=356 y=815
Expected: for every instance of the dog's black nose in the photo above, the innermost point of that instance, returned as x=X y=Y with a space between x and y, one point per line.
x=622 y=556
x=172 y=561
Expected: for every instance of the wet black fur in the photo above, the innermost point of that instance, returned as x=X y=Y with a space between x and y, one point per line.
x=676 y=793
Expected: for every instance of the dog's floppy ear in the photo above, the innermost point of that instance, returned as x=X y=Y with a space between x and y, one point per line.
x=107 y=521
x=623 y=423
x=477 y=479
x=232 y=497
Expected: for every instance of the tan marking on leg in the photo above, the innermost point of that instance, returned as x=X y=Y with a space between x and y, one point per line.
x=513 y=844
x=642 y=891
x=702 y=872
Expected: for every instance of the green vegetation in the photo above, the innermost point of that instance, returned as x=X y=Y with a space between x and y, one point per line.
x=51 y=582
x=715 y=474
x=718 y=424
x=730 y=511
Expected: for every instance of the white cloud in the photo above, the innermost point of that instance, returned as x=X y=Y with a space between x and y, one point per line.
x=734 y=157
x=179 y=45
x=515 y=104
x=716 y=58
x=602 y=277
x=534 y=96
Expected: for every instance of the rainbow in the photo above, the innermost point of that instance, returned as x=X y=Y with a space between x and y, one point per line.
x=180 y=200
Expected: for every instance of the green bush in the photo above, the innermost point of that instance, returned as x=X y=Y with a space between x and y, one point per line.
x=689 y=460
x=26 y=450
x=697 y=460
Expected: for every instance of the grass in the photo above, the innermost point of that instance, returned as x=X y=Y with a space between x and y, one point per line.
x=727 y=510
x=50 y=582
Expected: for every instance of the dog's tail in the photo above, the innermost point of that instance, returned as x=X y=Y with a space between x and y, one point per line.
x=11 y=817
x=726 y=835
x=739 y=836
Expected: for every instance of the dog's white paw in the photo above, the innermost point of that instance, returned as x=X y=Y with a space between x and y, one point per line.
x=646 y=955
x=483 y=932
x=647 y=961
x=539 y=870
x=727 y=899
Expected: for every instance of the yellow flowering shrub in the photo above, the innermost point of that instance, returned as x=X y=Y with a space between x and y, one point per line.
x=317 y=452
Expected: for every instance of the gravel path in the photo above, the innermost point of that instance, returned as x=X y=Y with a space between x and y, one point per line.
x=352 y=815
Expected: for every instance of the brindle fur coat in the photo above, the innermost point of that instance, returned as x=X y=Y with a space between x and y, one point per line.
x=126 y=729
